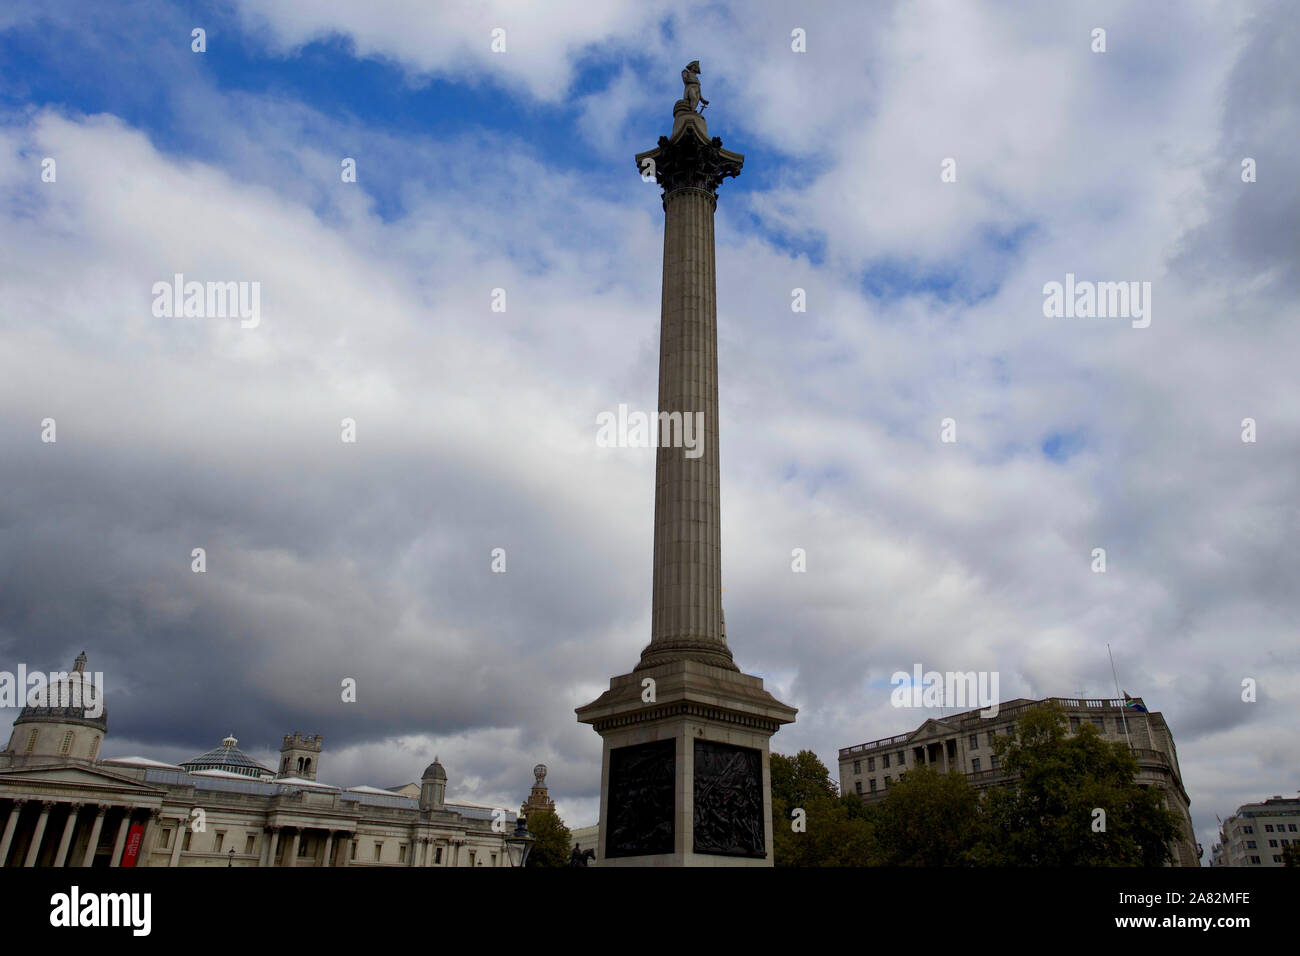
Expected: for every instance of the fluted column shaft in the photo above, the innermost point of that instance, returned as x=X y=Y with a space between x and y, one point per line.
x=687 y=588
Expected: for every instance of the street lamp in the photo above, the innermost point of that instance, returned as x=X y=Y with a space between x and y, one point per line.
x=520 y=843
x=230 y=860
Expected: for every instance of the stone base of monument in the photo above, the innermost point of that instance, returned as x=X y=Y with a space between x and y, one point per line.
x=684 y=777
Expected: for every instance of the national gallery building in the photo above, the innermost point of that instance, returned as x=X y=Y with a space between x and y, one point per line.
x=60 y=806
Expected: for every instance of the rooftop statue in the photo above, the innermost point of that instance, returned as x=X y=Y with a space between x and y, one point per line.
x=691 y=80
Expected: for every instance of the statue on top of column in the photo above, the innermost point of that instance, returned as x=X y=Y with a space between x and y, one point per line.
x=691 y=80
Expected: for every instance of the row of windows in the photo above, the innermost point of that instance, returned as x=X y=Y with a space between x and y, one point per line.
x=973 y=744
x=1250 y=844
x=1277 y=858
x=65 y=746
x=1268 y=828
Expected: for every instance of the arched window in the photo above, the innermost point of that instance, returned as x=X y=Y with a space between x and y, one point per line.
x=307 y=765
x=31 y=741
x=300 y=765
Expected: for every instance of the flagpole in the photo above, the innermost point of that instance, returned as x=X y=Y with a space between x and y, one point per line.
x=1123 y=705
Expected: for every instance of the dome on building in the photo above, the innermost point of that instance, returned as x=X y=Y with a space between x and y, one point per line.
x=227 y=757
x=434 y=771
x=65 y=701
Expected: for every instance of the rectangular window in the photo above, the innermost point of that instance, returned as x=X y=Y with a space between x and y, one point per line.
x=873 y=784
x=975 y=764
x=306 y=847
x=248 y=845
x=1074 y=724
x=974 y=741
x=1250 y=844
x=185 y=844
x=221 y=838
x=494 y=859
x=471 y=857
x=1277 y=858
x=1272 y=843
x=401 y=853
x=1268 y=828
x=1247 y=829
x=1254 y=859
x=437 y=855
x=354 y=848
x=379 y=848
x=994 y=762
x=1291 y=827
x=886 y=781
x=991 y=735
x=871 y=764
x=857 y=766
x=858 y=785
x=884 y=761
x=900 y=758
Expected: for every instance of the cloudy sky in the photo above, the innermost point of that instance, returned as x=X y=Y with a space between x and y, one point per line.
x=481 y=170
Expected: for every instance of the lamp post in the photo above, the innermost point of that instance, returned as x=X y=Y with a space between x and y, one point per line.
x=520 y=843
x=230 y=860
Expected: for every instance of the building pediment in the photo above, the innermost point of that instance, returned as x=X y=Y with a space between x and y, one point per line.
x=931 y=729
x=61 y=777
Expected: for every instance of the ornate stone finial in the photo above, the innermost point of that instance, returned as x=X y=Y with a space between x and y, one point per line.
x=79 y=666
x=540 y=773
x=228 y=740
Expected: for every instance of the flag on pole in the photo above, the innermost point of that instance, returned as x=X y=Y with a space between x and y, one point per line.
x=1132 y=704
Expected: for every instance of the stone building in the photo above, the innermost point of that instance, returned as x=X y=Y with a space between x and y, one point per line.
x=61 y=806
x=964 y=743
x=1257 y=833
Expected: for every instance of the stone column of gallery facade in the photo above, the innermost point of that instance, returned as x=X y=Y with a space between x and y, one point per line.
x=684 y=779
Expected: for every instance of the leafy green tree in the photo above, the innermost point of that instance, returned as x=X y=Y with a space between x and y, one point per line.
x=550 y=840
x=1045 y=816
x=829 y=830
x=1291 y=854
x=931 y=819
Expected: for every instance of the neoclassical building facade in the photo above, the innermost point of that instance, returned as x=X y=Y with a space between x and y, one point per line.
x=62 y=806
x=964 y=743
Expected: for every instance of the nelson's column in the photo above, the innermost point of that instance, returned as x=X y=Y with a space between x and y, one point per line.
x=684 y=778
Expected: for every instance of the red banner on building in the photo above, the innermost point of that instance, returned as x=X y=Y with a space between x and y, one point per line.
x=133 y=837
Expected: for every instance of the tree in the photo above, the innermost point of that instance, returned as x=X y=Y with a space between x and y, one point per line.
x=811 y=824
x=1291 y=854
x=930 y=819
x=1047 y=815
x=550 y=839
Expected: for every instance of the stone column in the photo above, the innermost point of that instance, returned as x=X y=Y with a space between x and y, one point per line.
x=150 y=830
x=347 y=849
x=272 y=845
x=178 y=842
x=93 y=845
x=61 y=857
x=293 y=847
x=120 y=843
x=10 y=826
x=329 y=848
x=686 y=605
x=34 y=850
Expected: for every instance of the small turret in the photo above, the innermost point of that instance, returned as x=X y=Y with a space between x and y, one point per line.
x=299 y=756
